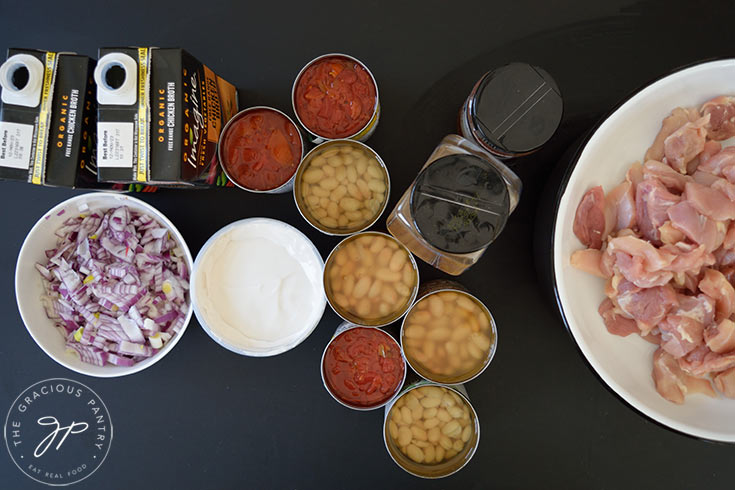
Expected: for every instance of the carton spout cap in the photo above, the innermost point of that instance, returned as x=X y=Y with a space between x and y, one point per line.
x=21 y=77
x=116 y=77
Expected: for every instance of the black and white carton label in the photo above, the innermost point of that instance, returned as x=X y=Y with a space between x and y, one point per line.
x=16 y=141
x=115 y=144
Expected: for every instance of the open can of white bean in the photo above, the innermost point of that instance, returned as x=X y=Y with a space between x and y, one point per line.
x=448 y=336
x=431 y=430
x=362 y=367
x=370 y=279
x=341 y=187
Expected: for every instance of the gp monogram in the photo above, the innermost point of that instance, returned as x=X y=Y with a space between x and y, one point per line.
x=58 y=432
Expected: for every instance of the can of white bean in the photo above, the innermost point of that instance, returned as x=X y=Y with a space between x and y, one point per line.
x=362 y=367
x=448 y=336
x=341 y=187
x=370 y=279
x=431 y=430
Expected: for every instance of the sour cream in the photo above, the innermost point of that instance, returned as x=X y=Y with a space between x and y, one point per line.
x=257 y=287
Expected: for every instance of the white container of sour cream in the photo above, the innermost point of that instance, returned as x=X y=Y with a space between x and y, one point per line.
x=257 y=287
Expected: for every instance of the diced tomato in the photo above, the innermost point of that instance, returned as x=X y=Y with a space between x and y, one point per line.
x=262 y=149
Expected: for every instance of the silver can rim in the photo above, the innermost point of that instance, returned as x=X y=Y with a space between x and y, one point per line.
x=352 y=407
x=466 y=399
x=493 y=326
x=276 y=190
x=301 y=169
x=376 y=109
x=414 y=292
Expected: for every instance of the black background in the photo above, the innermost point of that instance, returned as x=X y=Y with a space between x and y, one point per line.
x=207 y=418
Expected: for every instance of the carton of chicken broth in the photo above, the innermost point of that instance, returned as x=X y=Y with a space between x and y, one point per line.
x=47 y=116
x=160 y=115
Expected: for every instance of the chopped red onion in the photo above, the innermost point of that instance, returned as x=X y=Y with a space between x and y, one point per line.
x=113 y=281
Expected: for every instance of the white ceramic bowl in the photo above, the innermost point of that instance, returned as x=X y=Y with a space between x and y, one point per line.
x=625 y=363
x=301 y=248
x=29 y=288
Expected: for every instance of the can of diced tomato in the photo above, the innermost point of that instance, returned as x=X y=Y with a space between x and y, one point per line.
x=431 y=430
x=261 y=149
x=448 y=336
x=335 y=96
x=362 y=367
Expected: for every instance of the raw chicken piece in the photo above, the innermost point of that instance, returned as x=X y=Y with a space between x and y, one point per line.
x=720 y=338
x=680 y=335
x=669 y=177
x=725 y=383
x=647 y=306
x=702 y=361
x=709 y=202
x=616 y=323
x=678 y=118
x=685 y=143
x=634 y=175
x=721 y=111
x=724 y=258
x=652 y=200
x=729 y=242
x=716 y=286
x=640 y=262
x=729 y=273
x=704 y=178
x=674 y=384
x=719 y=160
x=688 y=257
x=700 y=308
x=620 y=203
x=589 y=220
x=686 y=280
x=699 y=229
x=588 y=260
x=729 y=172
x=670 y=235
x=724 y=186
x=634 y=270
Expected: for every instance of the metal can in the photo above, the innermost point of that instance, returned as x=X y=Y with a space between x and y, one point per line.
x=512 y=111
x=454 y=446
x=361 y=134
x=404 y=282
x=286 y=186
x=378 y=200
x=473 y=344
x=343 y=328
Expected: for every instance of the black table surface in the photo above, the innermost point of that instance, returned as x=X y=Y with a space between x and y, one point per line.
x=204 y=417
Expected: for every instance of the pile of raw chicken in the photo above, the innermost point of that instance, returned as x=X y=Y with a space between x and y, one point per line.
x=664 y=240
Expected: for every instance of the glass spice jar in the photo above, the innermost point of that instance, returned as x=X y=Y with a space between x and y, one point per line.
x=456 y=207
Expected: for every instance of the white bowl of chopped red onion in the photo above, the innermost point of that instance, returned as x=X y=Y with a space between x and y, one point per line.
x=101 y=283
x=684 y=376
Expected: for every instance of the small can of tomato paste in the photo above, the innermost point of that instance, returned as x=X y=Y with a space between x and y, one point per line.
x=335 y=96
x=260 y=150
x=362 y=367
x=448 y=336
x=431 y=430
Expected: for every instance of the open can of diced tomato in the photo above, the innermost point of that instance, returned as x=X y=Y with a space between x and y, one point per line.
x=431 y=430
x=341 y=187
x=448 y=336
x=335 y=96
x=260 y=150
x=362 y=367
x=370 y=279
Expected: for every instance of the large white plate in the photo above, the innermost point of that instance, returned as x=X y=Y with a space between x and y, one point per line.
x=625 y=363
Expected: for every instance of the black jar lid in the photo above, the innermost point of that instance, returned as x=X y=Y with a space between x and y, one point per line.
x=516 y=108
x=460 y=203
